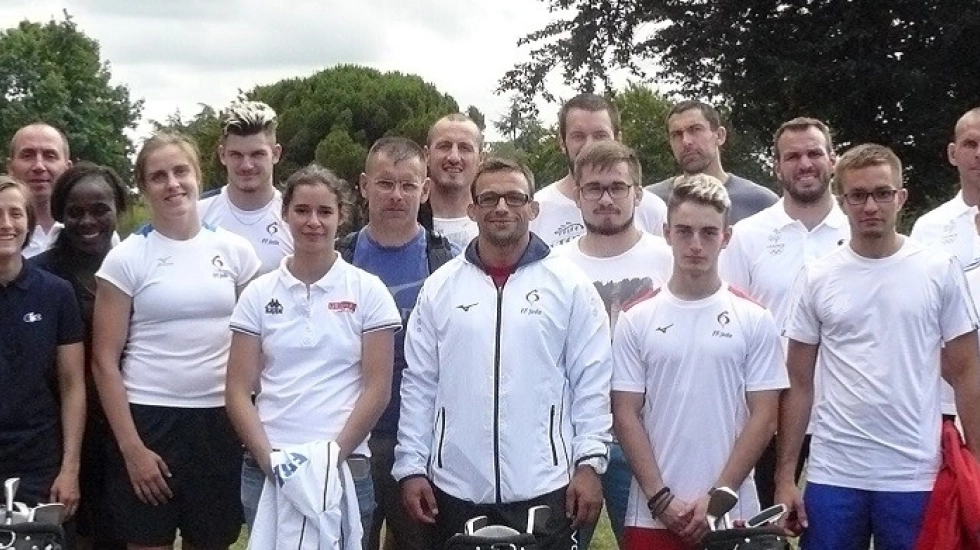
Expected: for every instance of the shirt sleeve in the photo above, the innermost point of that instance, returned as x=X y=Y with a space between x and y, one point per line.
x=766 y=365
x=420 y=384
x=118 y=268
x=247 y=262
x=380 y=310
x=629 y=372
x=733 y=263
x=959 y=314
x=70 y=327
x=247 y=317
x=803 y=324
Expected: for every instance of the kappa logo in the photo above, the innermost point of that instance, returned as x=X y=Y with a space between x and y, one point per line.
x=32 y=317
x=467 y=307
x=273 y=307
x=164 y=261
x=664 y=328
x=342 y=306
x=532 y=298
x=723 y=321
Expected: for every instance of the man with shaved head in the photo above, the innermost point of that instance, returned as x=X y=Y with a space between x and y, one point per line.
x=950 y=227
x=453 y=150
x=37 y=155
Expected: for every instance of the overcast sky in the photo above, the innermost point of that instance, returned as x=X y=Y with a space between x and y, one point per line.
x=176 y=54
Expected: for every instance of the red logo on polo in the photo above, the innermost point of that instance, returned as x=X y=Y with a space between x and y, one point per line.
x=349 y=307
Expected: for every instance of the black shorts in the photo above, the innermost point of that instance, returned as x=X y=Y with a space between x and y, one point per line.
x=204 y=458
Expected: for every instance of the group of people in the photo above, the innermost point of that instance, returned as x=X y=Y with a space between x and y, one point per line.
x=480 y=347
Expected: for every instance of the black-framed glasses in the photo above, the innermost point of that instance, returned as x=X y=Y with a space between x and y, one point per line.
x=594 y=191
x=859 y=198
x=491 y=199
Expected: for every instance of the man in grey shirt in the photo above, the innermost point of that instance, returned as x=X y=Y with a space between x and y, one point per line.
x=696 y=136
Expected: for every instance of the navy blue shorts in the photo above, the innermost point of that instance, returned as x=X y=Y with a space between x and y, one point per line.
x=841 y=518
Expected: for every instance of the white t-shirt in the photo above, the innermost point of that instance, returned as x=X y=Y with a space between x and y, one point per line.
x=879 y=324
x=625 y=279
x=560 y=219
x=950 y=227
x=183 y=294
x=695 y=360
x=263 y=228
x=311 y=347
x=458 y=231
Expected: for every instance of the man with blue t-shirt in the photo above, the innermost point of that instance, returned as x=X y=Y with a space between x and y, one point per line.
x=402 y=253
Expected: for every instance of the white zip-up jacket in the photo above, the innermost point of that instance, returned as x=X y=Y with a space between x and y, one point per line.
x=506 y=389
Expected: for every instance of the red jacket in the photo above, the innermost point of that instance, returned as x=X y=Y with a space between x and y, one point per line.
x=952 y=519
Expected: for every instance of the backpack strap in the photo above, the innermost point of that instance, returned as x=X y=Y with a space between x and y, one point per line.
x=437 y=250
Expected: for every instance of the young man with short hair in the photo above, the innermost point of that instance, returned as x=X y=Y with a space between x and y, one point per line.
x=505 y=401
x=696 y=135
x=880 y=312
x=625 y=264
x=768 y=249
x=698 y=369
x=249 y=204
x=453 y=148
x=584 y=119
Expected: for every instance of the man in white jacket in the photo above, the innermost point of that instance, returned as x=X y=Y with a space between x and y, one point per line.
x=505 y=401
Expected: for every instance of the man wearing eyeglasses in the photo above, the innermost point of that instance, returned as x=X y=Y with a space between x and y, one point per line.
x=879 y=312
x=950 y=226
x=505 y=401
x=396 y=248
x=624 y=263
x=768 y=249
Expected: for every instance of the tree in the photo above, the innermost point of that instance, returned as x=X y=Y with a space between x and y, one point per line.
x=52 y=72
x=884 y=72
x=205 y=129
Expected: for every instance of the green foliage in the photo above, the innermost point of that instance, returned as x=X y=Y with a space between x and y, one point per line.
x=644 y=128
x=531 y=143
x=205 y=129
x=880 y=72
x=52 y=72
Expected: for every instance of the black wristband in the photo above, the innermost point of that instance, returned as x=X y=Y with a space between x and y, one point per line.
x=652 y=503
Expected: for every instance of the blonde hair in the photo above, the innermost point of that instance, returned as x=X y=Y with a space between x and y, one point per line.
x=700 y=189
x=159 y=141
x=605 y=155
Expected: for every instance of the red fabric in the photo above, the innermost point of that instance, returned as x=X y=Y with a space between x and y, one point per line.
x=952 y=520
x=641 y=538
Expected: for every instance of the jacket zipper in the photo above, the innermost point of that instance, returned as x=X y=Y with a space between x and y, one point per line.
x=496 y=397
x=551 y=437
x=442 y=436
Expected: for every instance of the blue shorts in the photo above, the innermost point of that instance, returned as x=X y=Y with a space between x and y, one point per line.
x=841 y=518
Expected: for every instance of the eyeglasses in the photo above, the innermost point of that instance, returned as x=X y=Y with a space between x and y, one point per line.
x=491 y=199
x=594 y=191
x=859 y=198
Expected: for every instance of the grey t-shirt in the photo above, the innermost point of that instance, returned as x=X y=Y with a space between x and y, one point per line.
x=747 y=197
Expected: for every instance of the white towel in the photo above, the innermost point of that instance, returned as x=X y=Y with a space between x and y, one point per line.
x=311 y=504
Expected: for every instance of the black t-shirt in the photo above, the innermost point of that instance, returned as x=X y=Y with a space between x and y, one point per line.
x=38 y=313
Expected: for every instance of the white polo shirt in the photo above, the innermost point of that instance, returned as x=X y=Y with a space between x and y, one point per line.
x=768 y=249
x=695 y=360
x=951 y=228
x=311 y=347
x=263 y=228
x=880 y=324
x=627 y=278
x=183 y=294
x=560 y=220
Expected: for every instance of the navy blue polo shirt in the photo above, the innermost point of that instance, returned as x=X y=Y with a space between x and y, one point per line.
x=38 y=313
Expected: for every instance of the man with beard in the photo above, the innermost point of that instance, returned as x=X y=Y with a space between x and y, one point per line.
x=37 y=156
x=584 y=119
x=250 y=205
x=453 y=149
x=624 y=263
x=696 y=135
x=768 y=249
x=505 y=401
x=950 y=226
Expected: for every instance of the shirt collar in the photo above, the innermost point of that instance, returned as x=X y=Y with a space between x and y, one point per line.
x=24 y=279
x=835 y=219
x=324 y=283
